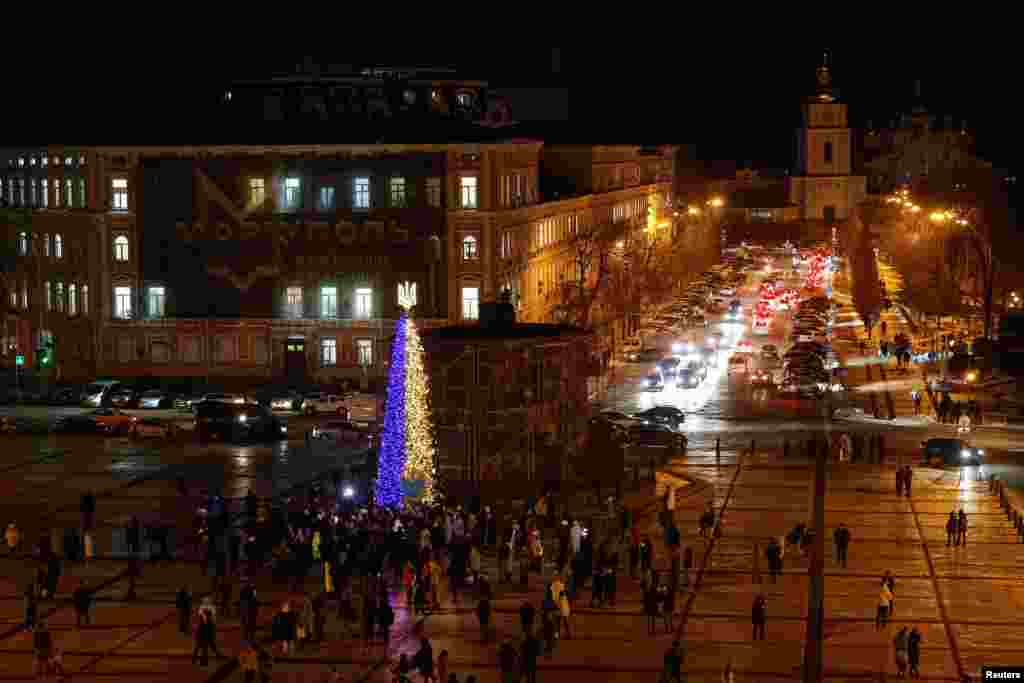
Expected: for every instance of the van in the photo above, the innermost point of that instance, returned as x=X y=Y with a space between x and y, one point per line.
x=100 y=392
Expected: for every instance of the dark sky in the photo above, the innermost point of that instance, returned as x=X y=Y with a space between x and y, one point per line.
x=740 y=104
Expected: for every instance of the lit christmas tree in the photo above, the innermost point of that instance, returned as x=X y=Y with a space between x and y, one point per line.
x=407 y=445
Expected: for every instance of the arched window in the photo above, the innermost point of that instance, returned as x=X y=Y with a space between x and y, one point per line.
x=469 y=250
x=121 y=248
x=58 y=246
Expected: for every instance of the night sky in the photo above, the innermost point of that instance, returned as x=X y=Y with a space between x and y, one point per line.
x=738 y=104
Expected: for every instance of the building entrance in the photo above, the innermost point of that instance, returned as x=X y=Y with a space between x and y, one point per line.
x=295 y=361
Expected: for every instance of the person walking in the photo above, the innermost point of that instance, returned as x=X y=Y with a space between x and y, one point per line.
x=650 y=597
x=842 y=541
x=890 y=582
x=248 y=608
x=902 y=657
x=527 y=614
x=672 y=671
x=773 y=553
x=952 y=530
x=687 y=565
x=423 y=660
x=908 y=479
x=884 y=603
x=899 y=482
x=183 y=603
x=442 y=667
x=961 y=526
x=204 y=639
x=914 y=652
x=42 y=647
x=564 y=613
x=759 y=616
x=483 y=615
x=508 y=663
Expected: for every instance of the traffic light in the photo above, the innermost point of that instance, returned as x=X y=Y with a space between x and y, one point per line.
x=45 y=356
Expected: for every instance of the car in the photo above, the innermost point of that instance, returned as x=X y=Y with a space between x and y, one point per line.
x=762 y=378
x=666 y=415
x=112 y=420
x=617 y=417
x=99 y=392
x=74 y=424
x=653 y=382
x=649 y=355
x=669 y=366
x=64 y=396
x=737 y=365
x=156 y=398
x=288 y=400
x=321 y=403
x=698 y=368
x=656 y=435
x=230 y=399
x=687 y=379
x=955 y=452
x=345 y=431
x=237 y=422
x=124 y=398
x=152 y=428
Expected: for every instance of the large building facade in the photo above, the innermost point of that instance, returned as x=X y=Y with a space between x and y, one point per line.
x=244 y=264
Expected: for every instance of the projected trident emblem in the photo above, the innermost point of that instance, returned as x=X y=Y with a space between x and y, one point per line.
x=407 y=295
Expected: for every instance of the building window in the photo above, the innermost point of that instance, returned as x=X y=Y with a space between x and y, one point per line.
x=156 y=302
x=14 y=298
x=123 y=302
x=470 y=303
x=292 y=193
x=22 y=244
x=257 y=192
x=72 y=299
x=364 y=303
x=48 y=292
x=364 y=352
x=60 y=297
x=85 y=300
x=469 y=250
x=56 y=193
x=293 y=302
x=328 y=352
x=121 y=248
x=328 y=302
x=24 y=294
x=434 y=192
x=119 y=198
x=407 y=296
x=327 y=198
x=46 y=244
x=21 y=161
x=44 y=161
x=361 y=193
x=469 y=192
x=32 y=192
x=81 y=161
x=58 y=246
x=69 y=193
x=398 y=192
x=68 y=161
x=81 y=192
x=44 y=192
x=506 y=245
x=828 y=152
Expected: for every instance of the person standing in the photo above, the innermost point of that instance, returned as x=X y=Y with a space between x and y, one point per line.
x=423 y=660
x=899 y=482
x=759 y=617
x=248 y=608
x=952 y=530
x=884 y=603
x=526 y=616
x=183 y=603
x=650 y=598
x=908 y=478
x=31 y=606
x=961 y=526
x=87 y=506
x=249 y=662
x=672 y=671
x=483 y=615
x=133 y=535
x=900 y=644
x=42 y=646
x=842 y=541
x=508 y=663
x=774 y=556
x=564 y=613
x=890 y=582
x=914 y=652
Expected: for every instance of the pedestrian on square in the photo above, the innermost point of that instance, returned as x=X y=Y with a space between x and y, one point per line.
x=634 y=550
x=527 y=614
x=508 y=663
x=917 y=402
x=651 y=604
x=890 y=582
x=82 y=599
x=42 y=646
x=531 y=651
x=842 y=540
x=646 y=554
x=53 y=573
x=442 y=667
x=668 y=608
x=899 y=482
x=774 y=556
x=133 y=535
x=423 y=660
x=483 y=615
x=183 y=603
x=902 y=657
x=884 y=603
x=952 y=530
x=914 y=652
x=31 y=606
x=205 y=640
x=672 y=671
x=759 y=617
x=87 y=506
x=564 y=614
x=249 y=662
x=248 y=608
x=961 y=525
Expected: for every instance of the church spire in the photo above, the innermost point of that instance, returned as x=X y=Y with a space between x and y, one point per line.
x=825 y=92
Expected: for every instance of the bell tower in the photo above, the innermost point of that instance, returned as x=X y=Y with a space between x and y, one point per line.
x=824 y=186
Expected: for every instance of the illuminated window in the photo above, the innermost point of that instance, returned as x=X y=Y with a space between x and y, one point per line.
x=81 y=161
x=469 y=192
x=21 y=161
x=23 y=244
x=14 y=298
x=46 y=244
x=328 y=352
x=123 y=302
x=44 y=161
x=56 y=193
x=24 y=294
x=44 y=193
x=69 y=194
x=328 y=302
x=68 y=161
x=72 y=299
x=398 y=192
x=470 y=303
x=32 y=192
x=434 y=192
x=85 y=299
x=157 y=297
x=32 y=161
x=58 y=246
x=469 y=250
x=364 y=303
x=257 y=192
x=60 y=297
x=119 y=196
x=326 y=198
x=464 y=99
x=292 y=193
x=293 y=302
x=364 y=351
x=48 y=293
x=361 y=193
x=81 y=192
x=121 y=248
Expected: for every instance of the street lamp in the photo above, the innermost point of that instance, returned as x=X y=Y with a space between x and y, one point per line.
x=716 y=202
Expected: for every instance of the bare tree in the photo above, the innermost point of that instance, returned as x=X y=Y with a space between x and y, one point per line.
x=867 y=293
x=591 y=247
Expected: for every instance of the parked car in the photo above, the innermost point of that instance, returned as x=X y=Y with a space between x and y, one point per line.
x=951 y=452
x=290 y=400
x=156 y=398
x=98 y=393
x=153 y=428
x=234 y=399
x=320 y=403
x=345 y=431
x=112 y=420
x=238 y=422
x=656 y=435
x=653 y=382
x=124 y=398
x=666 y=415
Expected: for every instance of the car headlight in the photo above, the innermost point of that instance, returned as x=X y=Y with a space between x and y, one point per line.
x=981 y=452
x=284 y=429
x=243 y=418
x=348 y=492
x=965 y=454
